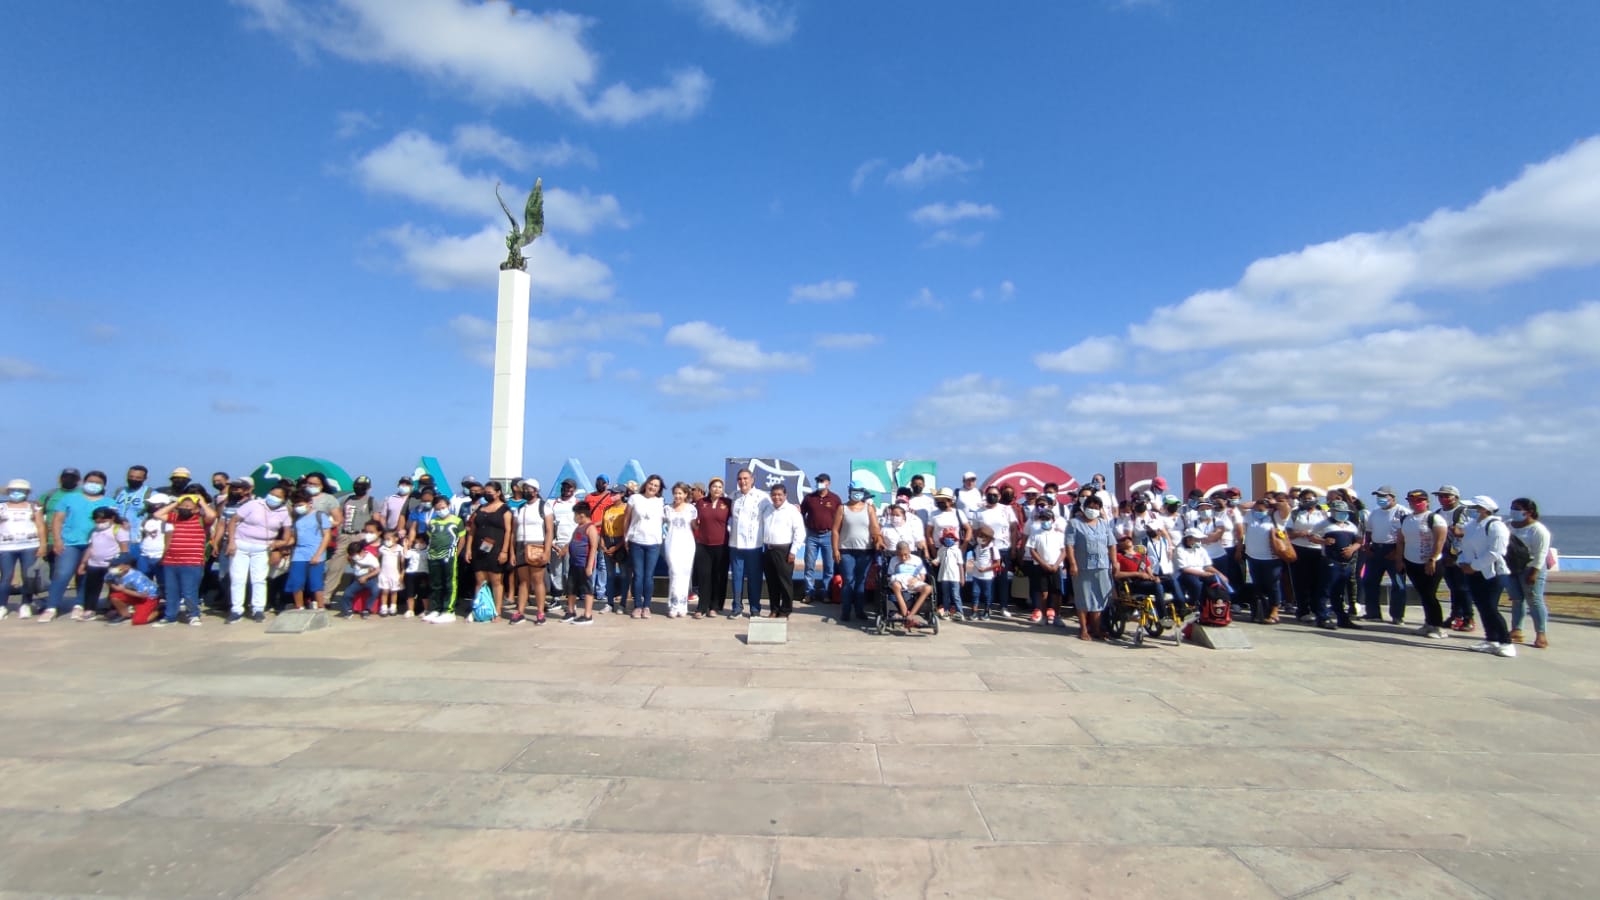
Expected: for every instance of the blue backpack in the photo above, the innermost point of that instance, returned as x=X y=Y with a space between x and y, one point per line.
x=483 y=606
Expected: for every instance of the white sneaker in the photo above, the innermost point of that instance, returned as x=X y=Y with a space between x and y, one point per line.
x=1006 y=613
x=1485 y=647
x=1436 y=633
x=445 y=619
x=429 y=617
x=48 y=615
x=77 y=614
x=4 y=611
x=1425 y=631
x=409 y=615
x=25 y=611
x=1506 y=650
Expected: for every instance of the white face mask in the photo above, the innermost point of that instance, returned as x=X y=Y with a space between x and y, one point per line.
x=403 y=490
x=1091 y=514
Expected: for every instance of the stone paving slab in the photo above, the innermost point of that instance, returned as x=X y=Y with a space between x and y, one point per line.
x=666 y=758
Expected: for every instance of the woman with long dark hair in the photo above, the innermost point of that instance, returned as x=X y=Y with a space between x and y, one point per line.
x=488 y=546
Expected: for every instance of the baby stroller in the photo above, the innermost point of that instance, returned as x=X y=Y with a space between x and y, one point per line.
x=886 y=613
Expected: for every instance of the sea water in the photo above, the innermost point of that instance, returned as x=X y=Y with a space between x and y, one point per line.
x=1574 y=535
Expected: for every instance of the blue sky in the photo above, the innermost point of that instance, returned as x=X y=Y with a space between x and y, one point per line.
x=1078 y=232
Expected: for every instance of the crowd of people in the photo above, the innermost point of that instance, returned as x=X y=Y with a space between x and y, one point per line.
x=166 y=555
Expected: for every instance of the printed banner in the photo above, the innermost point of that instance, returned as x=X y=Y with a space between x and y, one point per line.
x=1319 y=477
x=768 y=471
x=882 y=477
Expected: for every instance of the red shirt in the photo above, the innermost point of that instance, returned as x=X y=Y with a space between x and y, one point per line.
x=713 y=518
x=818 y=511
x=1130 y=562
x=186 y=543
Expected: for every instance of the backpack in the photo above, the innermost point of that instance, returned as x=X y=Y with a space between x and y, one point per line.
x=1216 y=607
x=1518 y=556
x=483 y=608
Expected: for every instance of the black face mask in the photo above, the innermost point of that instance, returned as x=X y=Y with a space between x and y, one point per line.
x=185 y=513
x=69 y=483
x=135 y=483
x=178 y=484
x=361 y=490
x=916 y=490
x=219 y=488
x=991 y=499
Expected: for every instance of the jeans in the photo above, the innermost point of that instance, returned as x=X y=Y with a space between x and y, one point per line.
x=644 y=558
x=1428 y=590
x=853 y=565
x=556 y=574
x=248 y=568
x=747 y=579
x=819 y=545
x=1335 y=576
x=1530 y=597
x=983 y=594
x=599 y=583
x=10 y=562
x=619 y=578
x=949 y=594
x=1192 y=585
x=1486 y=592
x=65 y=566
x=1461 y=600
x=183 y=586
x=1267 y=576
x=1381 y=561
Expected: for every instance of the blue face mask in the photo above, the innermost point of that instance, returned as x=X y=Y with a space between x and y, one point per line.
x=948 y=542
x=274 y=501
x=1341 y=517
x=93 y=488
x=857 y=496
x=1260 y=516
x=1385 y=502
x=17 y=496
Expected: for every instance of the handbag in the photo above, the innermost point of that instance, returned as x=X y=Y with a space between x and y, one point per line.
x=1281 y=547
x=533 y=555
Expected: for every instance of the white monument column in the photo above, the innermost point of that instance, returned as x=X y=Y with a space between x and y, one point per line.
x=510 y=376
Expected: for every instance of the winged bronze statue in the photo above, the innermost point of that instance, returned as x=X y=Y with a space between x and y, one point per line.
x=532 y=225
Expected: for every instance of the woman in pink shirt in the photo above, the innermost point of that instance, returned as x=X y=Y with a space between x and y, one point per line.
x=260 y=526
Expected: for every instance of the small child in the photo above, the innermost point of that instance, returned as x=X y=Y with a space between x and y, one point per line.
x=129 y=588
x=391 y=573
x=985 y=562
x=417 y=578
x=308 y=561
x=952 y=572
x=581 y=554
x=106 y=542
x=152 y=541
x=362 y=596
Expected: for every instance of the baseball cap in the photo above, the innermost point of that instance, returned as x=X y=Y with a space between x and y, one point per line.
x=1171 y=500
x=569 y=483
x=1030 y=489
x=531 y=482
x=823 y=477
x=1447 y=490
x=969 y=476
x=947 y=533
x=362 y=479
x=19 y=484
x=1384 y=490
x=601 y=479
x=1158 y=483
x=243 y=481
x=157 y=498
x=469 y=481
x=1416 y=494
x=404 y=479
x=1485 y=501
x=179 y=472
x=1195 y=533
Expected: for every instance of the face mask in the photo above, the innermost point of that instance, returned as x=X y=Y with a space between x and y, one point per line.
x=1308 y=504
x=102 y=526
x=179 y=483
x=1260 y=516
x=857 y=496
x=1385 y=502
x=441 y=512
x=1050 y=495
x=94 y=488
x=1091 y=514
x=1341 y=517
x=185 y=513
x=1419 y=506
x=1191 y=543
x=313 y=490
x=1233 y=504
x=403 y=490
x=896 y=521
x=274 y=501
x=371 y=538
x=991 y=500
x=948 y=542
x=301 y=510
x=1205 y=516
x=17 y=496
x=361 y=490
x=916 y=490
x=1479 y=515
x=388 y=542
x=135 y=484
x=943 y=505
x=219 y=488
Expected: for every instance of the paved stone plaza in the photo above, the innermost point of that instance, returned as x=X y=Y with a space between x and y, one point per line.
x=668 y=759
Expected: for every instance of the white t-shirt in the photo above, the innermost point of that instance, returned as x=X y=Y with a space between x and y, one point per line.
x=952 y=565
x=909 y=531
x=923 y=507
x=1306 y=520
x=1417 y=529
x=530 y=521
x=999 y=519
x=152 y=539
x=904 y=572
x=1258 y=538
x=1049 y=545
x=18 y=528
x=649 y=517
x=984 y=556
x=566 y=525
x=1191 y=557
x=939 y=521
x=1383 y=524
x=969 y=501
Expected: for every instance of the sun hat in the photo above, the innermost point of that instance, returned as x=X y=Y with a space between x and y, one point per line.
x=944 y=493
x=19 y=484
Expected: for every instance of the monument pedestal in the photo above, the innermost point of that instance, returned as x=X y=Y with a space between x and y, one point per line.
x=510 y=376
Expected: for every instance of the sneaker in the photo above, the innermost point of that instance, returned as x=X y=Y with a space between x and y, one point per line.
x=194 y=621
x=89 y=615
x=636 y=615
x=4 y=611
x=539 y=619
x=48 y=615
x=943 y=614
x=409 y=615
x=25 y=611
x=647 y=612
x=1035 y=617
x=162 y=623
x=1006 y=614
x=1425 y=631
x=516 y=619
x=445 y=619
x=77 y=614
x=583 y=620
x=571 y=616
x=1049 y=617
x=258 y=616
x=233 y=618
x=1457 y=625
x=1435 y=632
x=1484 y=647
x=1506 y=650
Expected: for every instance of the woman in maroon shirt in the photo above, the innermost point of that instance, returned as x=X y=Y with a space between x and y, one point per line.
x=711 y=551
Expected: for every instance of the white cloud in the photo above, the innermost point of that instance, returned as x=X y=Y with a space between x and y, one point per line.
x=595 y=364
x=1007 y=290
x=481 y=140
x=560 y=341
x=828 y=291
x=233 y=407
x=863 y=172
x=718 y=350
x=351 y=122
x=925 y=299
x=700 y=385
x=582 y=212
x=753 y=20
x=1547 y=219
x=494 y=51
x=14 y=369
x=926 y=169
x=949 y=237
x=445 y=261
x=950 y=213
x=846 y=341
x=1096 y=354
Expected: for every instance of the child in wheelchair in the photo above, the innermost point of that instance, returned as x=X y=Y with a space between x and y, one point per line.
x=1134 y=579
x=908 y=575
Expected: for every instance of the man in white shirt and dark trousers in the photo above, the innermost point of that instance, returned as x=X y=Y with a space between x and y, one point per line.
x=750 y=508
x=1381 y=534
x=783 y=533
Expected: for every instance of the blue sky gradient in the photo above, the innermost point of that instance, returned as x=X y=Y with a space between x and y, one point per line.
x=242 y=230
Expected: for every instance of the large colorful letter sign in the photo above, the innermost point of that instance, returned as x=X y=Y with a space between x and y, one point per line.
x=1020 y=476
x=768 y=471
x=1319 y=477
x=882 y=477
x=1133 y=477
x=1206 y=477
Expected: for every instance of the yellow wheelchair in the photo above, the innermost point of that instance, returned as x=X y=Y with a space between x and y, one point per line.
x=1129 y=607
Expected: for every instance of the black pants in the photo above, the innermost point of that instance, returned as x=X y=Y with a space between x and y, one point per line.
x=1486 y=591
x=89 y=587
x=1460 y=594
x=1428 y=589
x=779 y=572
x=417 y=591
x=1306 y=576
x=442 y=575
x=711 y=577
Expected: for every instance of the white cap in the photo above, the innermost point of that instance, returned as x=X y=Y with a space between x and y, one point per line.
x=966 y=475
x=157 y=498
x=1485 y=501
x=531 y=482
x=1195 y=533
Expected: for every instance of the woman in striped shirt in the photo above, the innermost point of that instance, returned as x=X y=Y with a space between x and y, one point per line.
x=184 y=561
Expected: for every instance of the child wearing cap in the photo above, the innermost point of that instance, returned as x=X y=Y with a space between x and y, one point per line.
x=129 y=588
x=952 y=572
